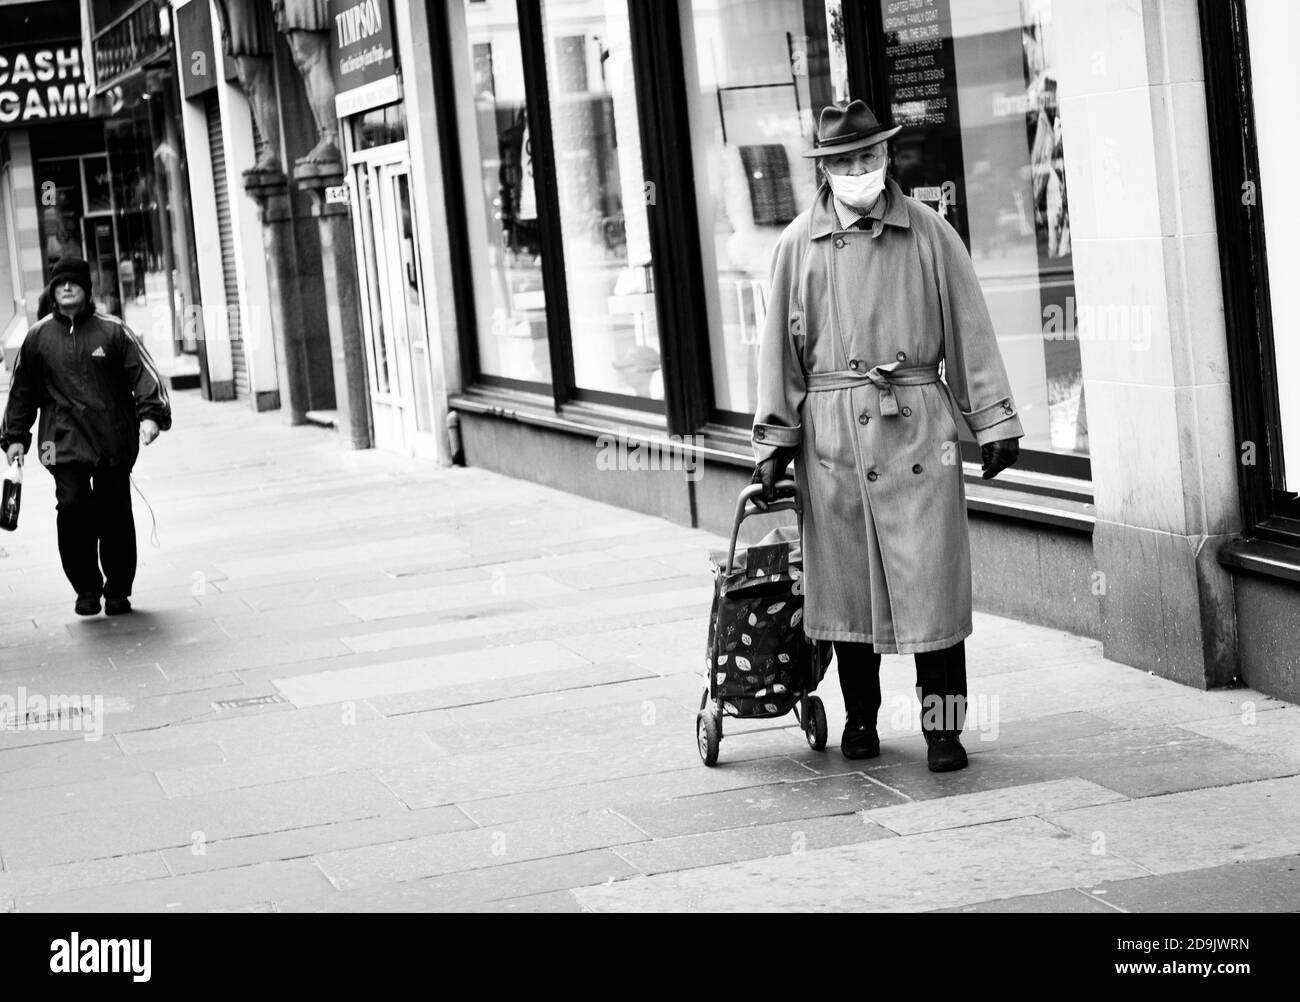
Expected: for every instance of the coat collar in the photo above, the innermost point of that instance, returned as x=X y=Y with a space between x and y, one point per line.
x=824 y=220
x=86 y=313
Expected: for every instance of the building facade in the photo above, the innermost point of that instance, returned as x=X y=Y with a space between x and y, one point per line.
x=94 y=170
x=563 y=212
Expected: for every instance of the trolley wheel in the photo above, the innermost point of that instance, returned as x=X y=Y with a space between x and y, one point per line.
x=708 y=736
x=814 y=728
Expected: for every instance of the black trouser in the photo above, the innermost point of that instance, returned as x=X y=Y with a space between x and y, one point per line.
x=94 y=504
x=940 y=680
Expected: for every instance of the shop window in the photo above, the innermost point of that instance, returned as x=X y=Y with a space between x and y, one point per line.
x=974 y=85
x=758 y=73
x=603 y=199
x=1274 y=83
x=505 y=242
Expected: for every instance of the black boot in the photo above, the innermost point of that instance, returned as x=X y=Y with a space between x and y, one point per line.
x=941 y=687
x=944 y=752
x=859 y=668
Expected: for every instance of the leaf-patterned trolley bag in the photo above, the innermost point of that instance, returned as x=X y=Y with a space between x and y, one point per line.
x=760 y=663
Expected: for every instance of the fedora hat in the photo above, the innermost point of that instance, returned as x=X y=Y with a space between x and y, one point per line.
x=842 y=130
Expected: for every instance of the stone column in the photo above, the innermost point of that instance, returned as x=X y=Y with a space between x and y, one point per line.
x=270 y=189
x=1155 y=361
x=347 y=347
x=306 y=25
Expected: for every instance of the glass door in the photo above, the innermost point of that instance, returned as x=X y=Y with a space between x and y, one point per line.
x=397 y=341
x=406 y=297
x=382 y=354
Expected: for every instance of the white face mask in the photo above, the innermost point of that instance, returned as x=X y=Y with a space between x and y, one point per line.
x=858 y=191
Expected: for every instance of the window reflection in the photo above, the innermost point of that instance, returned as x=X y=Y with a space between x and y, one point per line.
x=758 y=74
x=976 y=81
x=603 y=197
x=512 y=330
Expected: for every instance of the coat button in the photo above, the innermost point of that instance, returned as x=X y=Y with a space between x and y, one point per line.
x=901 y=356
x=839 y=242
x=907 y=412
x=853 y=364
x=863 y=419
x=916 y=468
x=760 y=433
x=873 y=476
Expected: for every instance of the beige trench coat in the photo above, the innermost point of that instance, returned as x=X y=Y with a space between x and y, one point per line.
x=857 y=324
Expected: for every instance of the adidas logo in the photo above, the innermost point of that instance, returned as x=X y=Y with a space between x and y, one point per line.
x=98 y=352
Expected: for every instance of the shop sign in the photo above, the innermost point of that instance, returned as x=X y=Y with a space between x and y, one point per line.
x=363 y=53
x=42 y=84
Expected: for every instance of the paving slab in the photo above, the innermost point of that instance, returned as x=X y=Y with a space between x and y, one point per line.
x=581 y=611
x=435 y=855
x=1069 y=902
x=83 y=796
x=40 y=776
x=134 y=828
x=460 y=891
x=194 y=892
x=1214 y=826
x=272 y=721
x=914 y=873
x=367 y=747
x=659 y=786
x=1264 y=885
x=764 y=841
x=468 y=693
x=310 y=841
x=991 y=805
x=426 y=673
x=46 y=880
x=810 y=798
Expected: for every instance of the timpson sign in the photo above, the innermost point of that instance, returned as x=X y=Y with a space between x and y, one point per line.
x=363 y=55
x=43 y=83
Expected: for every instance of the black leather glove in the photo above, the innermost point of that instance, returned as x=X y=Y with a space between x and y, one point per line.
x=999 y=455
x=769 y=471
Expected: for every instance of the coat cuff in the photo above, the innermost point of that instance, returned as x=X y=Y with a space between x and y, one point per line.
x=777 y=435
x=995 y=422
x=1007 y=428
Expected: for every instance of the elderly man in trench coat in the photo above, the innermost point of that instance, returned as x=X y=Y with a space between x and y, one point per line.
x=877 y=342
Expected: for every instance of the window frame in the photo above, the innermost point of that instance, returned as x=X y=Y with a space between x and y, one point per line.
x=1268 y=512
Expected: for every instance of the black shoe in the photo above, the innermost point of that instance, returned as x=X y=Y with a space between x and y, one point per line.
x=87 y=604
x=117 y=606
x=859 y=740
x=945 y=752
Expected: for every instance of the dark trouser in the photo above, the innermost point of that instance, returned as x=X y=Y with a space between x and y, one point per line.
x=94 y=504
x=940 y=680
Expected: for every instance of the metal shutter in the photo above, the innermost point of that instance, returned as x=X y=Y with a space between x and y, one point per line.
x=217 y=145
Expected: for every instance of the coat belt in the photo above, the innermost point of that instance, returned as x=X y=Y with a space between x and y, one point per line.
x=885 y=377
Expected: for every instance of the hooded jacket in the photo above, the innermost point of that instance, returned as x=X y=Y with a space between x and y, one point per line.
x=93 y=382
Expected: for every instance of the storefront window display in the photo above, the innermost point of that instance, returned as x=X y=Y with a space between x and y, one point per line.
x=1274 y=83
x=975 y=83
x=504 y=236
x=603 y=198
x=758 y=75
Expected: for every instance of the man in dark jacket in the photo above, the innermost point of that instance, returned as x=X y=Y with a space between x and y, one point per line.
x=100 y=396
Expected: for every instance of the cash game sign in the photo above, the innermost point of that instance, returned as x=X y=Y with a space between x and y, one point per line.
x=42 y=84
x=364 y=55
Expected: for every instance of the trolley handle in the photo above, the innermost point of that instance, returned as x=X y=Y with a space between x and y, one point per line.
x=745 y=509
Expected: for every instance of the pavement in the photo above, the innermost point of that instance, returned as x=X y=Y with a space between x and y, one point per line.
x=361 y=682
